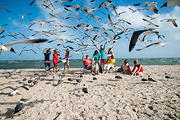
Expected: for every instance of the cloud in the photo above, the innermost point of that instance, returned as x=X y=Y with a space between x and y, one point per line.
x=170 y=32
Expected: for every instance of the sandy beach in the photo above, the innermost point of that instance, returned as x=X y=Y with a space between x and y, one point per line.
x=108 y=98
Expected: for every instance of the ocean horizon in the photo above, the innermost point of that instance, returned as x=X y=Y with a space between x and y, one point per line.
x=77 y=63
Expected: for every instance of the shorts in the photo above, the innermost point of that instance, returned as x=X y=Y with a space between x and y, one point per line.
x=47 y=65
x=107 y=67
x=103 y=60
x=87 y=67
x=67 y=60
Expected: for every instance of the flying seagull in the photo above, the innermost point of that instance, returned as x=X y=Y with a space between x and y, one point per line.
x=150 y=23
x=152 y=4
x=153 y=44
x=173 y=21
x=7 y=47
x=15 y=90
x=134 y=38
x=171 y=3
x=27 y=50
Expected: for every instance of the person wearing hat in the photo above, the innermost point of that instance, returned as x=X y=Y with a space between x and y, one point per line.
x=110 y=63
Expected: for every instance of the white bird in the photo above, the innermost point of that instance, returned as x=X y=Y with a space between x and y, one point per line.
x=19 y=106
x=7 y=47
x=15 y=90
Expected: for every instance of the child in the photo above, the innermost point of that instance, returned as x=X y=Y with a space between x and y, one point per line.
x=67 y=60
x=138 y=69
x=95 y=62
x=86 y=62
x=55 y=60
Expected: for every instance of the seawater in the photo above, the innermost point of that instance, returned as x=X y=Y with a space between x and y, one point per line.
x=77 y=63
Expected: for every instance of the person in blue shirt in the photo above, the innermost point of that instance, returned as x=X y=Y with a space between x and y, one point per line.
x=103 y=54
x=95 y=62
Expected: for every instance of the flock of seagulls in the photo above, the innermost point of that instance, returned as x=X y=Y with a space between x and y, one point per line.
x=88 y=31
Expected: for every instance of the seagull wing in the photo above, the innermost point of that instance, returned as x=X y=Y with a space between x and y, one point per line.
x=174 y=23
x=23 y=87
x=134 y=39
x=9 y=88
x=32 y=2
x=27 y=41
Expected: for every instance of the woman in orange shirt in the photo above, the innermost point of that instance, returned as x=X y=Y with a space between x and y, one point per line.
x=87 y=62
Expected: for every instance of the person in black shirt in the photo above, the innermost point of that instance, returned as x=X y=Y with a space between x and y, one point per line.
x=47 y=53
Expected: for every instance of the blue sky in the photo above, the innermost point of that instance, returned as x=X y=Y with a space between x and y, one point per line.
x=20 y=7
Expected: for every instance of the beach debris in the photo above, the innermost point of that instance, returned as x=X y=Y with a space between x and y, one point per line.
x=118 y=77
x=30 y=81
x=15 y=90
x=94 y=78
x=24 y=79
x=70 y=79
x=78 y=80
x=35 y=82
x=84 y=89
x=19 y=106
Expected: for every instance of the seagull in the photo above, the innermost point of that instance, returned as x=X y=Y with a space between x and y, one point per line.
x=84 y=89
x=168 y=77
x=144 y=79
x=151 y=79
x=134 y=38
x=15 y=90
x=7 y=47
x=27 y=51
x=150 y=23
x=19 y=106
x=173 y=21
x=171 y=3
x=32 y=2
x=153 y=44
x=152 y=4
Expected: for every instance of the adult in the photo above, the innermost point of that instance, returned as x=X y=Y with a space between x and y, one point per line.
x=87 y=62
x=109 y=64
x=138 y=69
x=95 y=62
x=47 y=53
x=103 y=54
x=56 y=54
x=66 y=64
x=125 y=68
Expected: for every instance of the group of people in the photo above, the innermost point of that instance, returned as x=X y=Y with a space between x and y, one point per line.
x=98 y=64
x=56 y=55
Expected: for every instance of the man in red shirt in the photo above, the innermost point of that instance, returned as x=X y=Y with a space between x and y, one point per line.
x=87 y=62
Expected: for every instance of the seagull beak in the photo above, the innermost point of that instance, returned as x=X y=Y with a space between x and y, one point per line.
x=12 y=50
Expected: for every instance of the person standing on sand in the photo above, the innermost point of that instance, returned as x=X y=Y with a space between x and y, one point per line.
x=95 y=62
x=66 y=64
x=56 y=54
x=103 y=55
x=87 y=62
x=47 y=53
x=138 y=69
